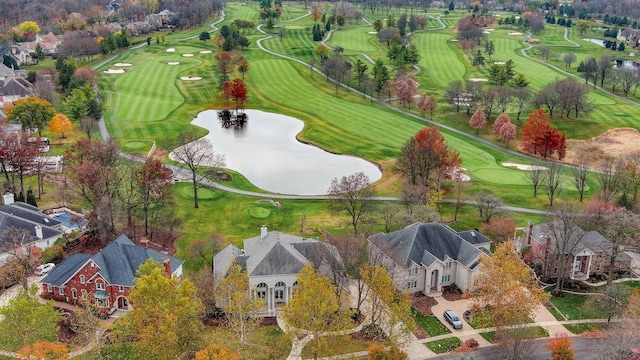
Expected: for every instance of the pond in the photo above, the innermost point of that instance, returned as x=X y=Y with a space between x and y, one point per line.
x=267 y=153
x=596 y=41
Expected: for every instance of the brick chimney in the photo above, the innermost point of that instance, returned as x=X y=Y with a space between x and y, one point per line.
x=144 y=241
x=528 y=233
x=167 y=266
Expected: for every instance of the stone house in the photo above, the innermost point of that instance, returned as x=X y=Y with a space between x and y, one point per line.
x=425 y=257
x=273 y=261
x=105 y=278
x=48 y=42
x=13 y=85
x=587 y=252
x=19 y=54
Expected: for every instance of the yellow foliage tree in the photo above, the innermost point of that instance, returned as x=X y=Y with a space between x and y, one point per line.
x=216 y=352
x=44 y=350
x=60 y=124
x=508 y=292
x=30 y=26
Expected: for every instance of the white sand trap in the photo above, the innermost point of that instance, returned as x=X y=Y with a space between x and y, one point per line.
x=122 y=64
x=190 y=78
x=478 y=79
x=454 y=40
x=486 y=32
x=187 y=55
x=173 y=62
x=489 y=30
x=373 y=32
x=112 y=71
x=514 y=33
x=525 y=167
x=205 y=52
x=499 y=62
x=170 y=50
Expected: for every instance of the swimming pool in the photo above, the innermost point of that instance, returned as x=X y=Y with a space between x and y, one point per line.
x=68 y=221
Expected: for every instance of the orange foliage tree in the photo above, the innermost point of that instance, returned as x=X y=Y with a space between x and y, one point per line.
x=560 y=347
x=378 y=352
x=60 y=124
x=216 y=352
x=540 y=137
x=44 y=350
x=499 y=230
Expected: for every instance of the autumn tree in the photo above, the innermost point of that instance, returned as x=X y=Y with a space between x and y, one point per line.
x=478 y=120
x=206 y=282
x=489 y=206
x=235 y=90
x=315 y=309
x=196 y=152
x=243 y=66
x=610 y=302
x=405 y=89
x=499 y=230
x=427 y=104
x=30 y=27
x=26 y=321
x=235 y=296
x=561 y=347
x=93 y=168
x=44 y=350
x=20 y=157
x=322 y=51
x=224 y=61
x=352 y=194
x=508 y=292
x=508 y=132
x=378 y=352
x=622 y=335
x=84 y=322
x=216 y=352
x=353 y=257
x=154 y=182
x=31 y=112
x=387 y=306
x=540 y=137
x=60 y=124
x=164 y=322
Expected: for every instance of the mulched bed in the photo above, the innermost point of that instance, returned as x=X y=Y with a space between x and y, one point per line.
x=423 y=303
x=451 y=295
x=420 y=334
x=467 y=346
x=66 y=335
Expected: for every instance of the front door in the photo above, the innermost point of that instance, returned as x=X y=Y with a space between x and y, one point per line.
x=434 y=280
x=123 y=303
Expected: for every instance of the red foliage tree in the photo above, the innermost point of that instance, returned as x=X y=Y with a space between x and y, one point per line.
x=508 y=132
x=499 y=230
x=225 y=64
x=540 y=137
x=405 y=88
x=478 y=120
x=560 y=347
x=500 y=120
x=235 y=90
x=378 y=352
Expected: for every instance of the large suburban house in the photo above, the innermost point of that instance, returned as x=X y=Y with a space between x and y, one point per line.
x=588 y=252
x=273 y=261
x=49 y=44
x=22 y=226
x=105 y=278
x=425 y=257
x=13 y=85
x=18 y=53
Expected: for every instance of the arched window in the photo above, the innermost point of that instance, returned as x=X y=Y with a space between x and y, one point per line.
x=83 y=293
x=261 y=290
x=74 y=293
x=278 y=291
x=82 y=279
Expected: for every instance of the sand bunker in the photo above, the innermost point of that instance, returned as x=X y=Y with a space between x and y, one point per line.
x=454 y=40
x=122 y=64
x=373 y=32
x=112 y=71
x=618 y=143
x=205 y=52
x=486 y=32
x=173 y=62
x=514 y=33
x=499 y=62
x=190 y=78
x=478 y=79
x=170 y=50
x=525 y=167
x=187 y=55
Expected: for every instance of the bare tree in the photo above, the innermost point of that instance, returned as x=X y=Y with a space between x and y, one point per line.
x=609 y=177
x=516 y=342
x=604 y=67
x=580 y=170
x=522 y=96
x=388 y=212
x=534 y=175
x=196 y=153
x=353 y=252
x=352 y=194
x=504 y=98
x=455 y=94
x=569 y=58
x=552 y=181
x=489 y=206
x=628 y=78
x=545 y=52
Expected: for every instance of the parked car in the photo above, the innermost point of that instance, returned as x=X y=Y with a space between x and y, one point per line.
x=453 y=319
x=44 y=268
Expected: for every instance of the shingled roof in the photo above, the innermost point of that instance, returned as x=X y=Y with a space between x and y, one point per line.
x=118 y=263
x=421 y=243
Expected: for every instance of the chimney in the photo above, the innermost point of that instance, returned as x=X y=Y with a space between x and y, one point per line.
x=8 y=198
x=167 y=266
x=39 y=232
x=144 y=241
x=529 y=232
x=263 y=232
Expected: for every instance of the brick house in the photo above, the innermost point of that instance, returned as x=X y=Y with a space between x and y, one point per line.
x=105 y=278
x=587 y=252
x=425 y=257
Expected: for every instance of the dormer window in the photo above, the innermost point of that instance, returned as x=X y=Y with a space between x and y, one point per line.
x=99 y=285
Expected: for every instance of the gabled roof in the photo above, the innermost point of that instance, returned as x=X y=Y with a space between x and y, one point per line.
x=15 y=216
x=118 y=262
x=66 y=269
x=275 y=254
x=578 y=240
x=30 y=213
x=474 y=237
x=425 y=243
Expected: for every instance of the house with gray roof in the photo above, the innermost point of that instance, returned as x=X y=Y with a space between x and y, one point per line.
x=273 y=261
x=425 y=257
x=105 y=278
x=22 y=226
x=588 y=252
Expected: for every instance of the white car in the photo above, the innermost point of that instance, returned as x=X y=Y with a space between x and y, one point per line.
x=44 y=268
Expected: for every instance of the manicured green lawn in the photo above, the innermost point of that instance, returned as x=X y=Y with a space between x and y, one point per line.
x=535 y=332
x=430 y=324
x=444 y=345
x=264 y=342
x=342 y=344
x=573 y=306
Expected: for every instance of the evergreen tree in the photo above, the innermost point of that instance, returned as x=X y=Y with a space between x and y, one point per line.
x=20 y=197
x=31 y=198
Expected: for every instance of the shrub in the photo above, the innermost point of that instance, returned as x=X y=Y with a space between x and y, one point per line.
x=52 y=254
